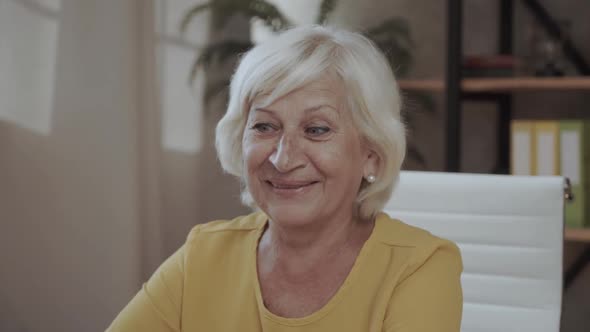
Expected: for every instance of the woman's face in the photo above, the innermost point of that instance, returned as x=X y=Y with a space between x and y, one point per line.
x=304 y=160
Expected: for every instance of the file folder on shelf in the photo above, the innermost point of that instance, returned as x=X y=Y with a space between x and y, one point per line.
x=547 y=147
x=575 y=165
x=522 y=148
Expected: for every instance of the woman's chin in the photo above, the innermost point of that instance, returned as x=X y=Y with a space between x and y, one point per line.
x=291 y=216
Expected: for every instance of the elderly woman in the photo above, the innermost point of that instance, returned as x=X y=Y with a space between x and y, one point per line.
x=313 y=130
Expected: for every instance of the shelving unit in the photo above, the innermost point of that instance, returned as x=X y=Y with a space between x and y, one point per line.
x=577 y=234
x=509 y=84
x=499 y=90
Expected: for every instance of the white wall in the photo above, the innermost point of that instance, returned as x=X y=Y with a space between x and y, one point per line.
x=102 y=172
x=194 y=189
x=69 y=238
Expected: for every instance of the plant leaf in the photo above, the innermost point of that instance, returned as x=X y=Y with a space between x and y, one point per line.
x=399 y=58
x=393 y=37
x=414 y=154
x=420 y=101
x=192 y=74
x=216 y=89
x=217 y=53
x=224 y=10
x=268 y=13
x=393 y=27
x=326 y=7
x=191 y=13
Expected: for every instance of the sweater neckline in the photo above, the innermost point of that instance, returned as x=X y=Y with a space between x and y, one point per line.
x=336 y=298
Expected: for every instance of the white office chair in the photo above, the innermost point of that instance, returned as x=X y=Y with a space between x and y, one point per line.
x=510 y=232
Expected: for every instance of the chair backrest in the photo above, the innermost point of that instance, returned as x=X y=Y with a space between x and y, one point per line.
x=510 y=232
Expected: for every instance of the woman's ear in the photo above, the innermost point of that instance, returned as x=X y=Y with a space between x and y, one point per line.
x=372 y=163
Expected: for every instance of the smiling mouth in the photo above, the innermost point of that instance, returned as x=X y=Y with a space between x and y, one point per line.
x=290 y=185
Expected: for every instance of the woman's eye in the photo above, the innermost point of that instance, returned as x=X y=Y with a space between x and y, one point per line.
x=317 y=131
x=263 y=127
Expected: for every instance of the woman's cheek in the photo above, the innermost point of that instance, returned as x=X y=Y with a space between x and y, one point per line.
x=330 y=155
x=256 y=152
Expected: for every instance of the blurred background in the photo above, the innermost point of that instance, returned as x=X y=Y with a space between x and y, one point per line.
x=108 y=109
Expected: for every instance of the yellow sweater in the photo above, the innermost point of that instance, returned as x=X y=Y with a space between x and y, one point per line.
x=404 y=279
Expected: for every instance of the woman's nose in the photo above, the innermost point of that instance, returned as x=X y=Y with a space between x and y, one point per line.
x=287 y=155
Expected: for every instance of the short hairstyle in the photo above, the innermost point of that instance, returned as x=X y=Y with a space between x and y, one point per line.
x=302 y=55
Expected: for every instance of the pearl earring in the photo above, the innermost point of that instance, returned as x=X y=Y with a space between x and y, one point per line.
x=371 y=178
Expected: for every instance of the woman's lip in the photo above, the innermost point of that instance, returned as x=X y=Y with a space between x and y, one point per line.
x=294 y=190
x=290 y=184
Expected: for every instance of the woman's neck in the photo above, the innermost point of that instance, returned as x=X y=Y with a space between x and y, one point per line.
x=299 y=249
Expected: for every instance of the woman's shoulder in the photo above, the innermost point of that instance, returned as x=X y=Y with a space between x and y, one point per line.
x=234 y=228
x=395 y=232
x=419 y=245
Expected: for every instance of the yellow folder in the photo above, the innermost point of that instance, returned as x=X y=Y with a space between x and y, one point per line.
x=547 y=157
x=522 y=148
x=575 y=165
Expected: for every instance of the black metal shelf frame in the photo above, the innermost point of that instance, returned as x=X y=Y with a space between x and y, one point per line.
x=454 y=94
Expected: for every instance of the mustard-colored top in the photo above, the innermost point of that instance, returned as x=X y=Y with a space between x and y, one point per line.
x=404 y=279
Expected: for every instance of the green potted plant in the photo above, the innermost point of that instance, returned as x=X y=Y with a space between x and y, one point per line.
x=392 y=36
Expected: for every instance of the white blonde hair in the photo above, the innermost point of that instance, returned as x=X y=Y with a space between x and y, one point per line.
x=302 y=55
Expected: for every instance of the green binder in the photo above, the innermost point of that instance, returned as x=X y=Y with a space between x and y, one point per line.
x=575 y=164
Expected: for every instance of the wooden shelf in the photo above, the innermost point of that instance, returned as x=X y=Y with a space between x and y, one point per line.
x=422 y=85
x=577 y=234
x=502 y=84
